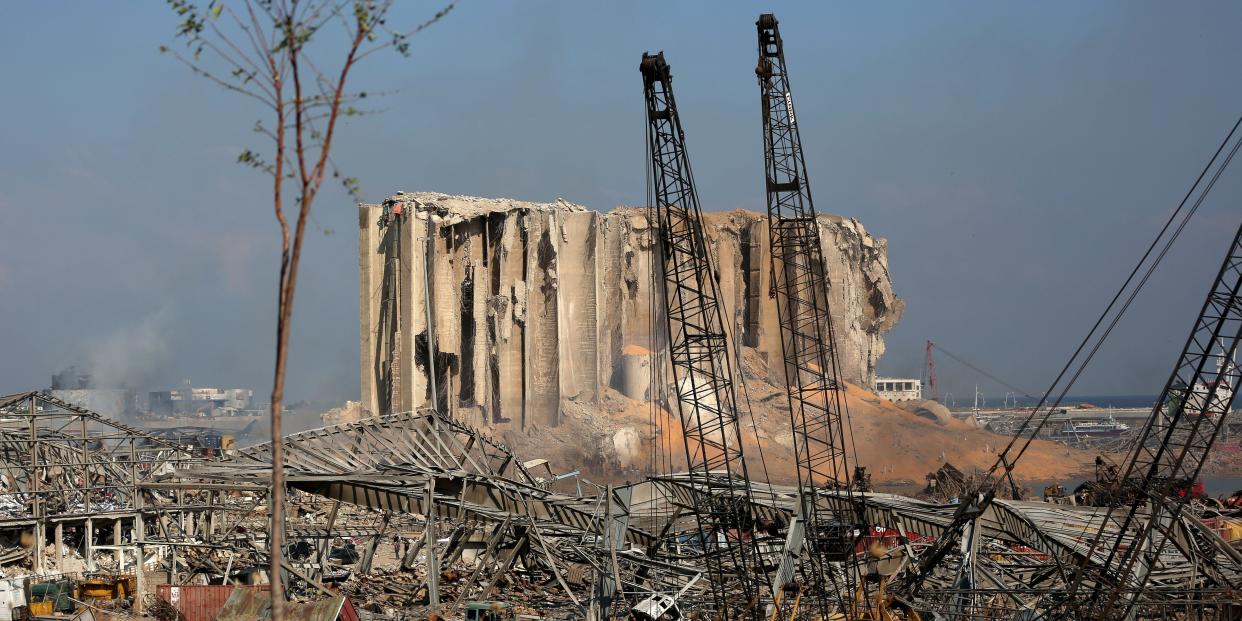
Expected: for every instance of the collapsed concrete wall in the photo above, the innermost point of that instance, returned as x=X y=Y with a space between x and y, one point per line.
x=533 y=303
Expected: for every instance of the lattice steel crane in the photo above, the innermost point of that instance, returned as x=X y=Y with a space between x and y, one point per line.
x=929 y=374
x=1171 y=450
x=699 y=351
x=1173 y=443
x=807 y=343
x=1169 y=454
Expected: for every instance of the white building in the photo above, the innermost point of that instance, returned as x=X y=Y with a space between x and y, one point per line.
x=899 y=388
x=202 y=401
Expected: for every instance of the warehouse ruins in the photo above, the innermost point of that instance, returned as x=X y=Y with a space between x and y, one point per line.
x=417 y=512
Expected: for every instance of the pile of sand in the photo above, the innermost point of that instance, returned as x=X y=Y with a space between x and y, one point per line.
x=623 y=439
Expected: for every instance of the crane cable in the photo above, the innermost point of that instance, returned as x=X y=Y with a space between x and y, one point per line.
x=986 y=490
x=733 y=355
x=1177 y=231
x=968 y=365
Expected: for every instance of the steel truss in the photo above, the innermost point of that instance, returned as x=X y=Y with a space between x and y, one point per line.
x=1171 y=451
x=699 y=352
x=68 y=471
x=807 y=340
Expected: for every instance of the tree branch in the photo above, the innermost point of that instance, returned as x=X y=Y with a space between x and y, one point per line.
x=276 y=34
x=399 y=38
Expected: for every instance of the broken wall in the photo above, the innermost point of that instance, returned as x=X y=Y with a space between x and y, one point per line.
x=538 y=302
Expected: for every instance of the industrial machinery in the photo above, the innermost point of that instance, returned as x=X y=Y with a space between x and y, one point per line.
x=817 y=538
x=699 y=351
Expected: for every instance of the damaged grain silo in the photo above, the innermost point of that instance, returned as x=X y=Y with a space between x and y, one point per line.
x=534 y=303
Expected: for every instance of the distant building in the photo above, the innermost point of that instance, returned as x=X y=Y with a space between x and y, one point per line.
x=111 y=402
x=70 y=379
x=72 y=386
x=201 y=401
x=899 y=388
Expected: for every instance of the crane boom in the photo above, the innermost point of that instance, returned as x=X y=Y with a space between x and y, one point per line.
x=1157 y=437
x=811 y=369
x=929 y=371
x=1171 y=450
x=699 y=352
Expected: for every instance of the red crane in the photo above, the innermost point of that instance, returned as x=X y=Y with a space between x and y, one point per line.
x=929 y=374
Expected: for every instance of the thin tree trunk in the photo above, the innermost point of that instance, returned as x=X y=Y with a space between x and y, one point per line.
x=276 y=528
x=310 y=183
x=277 y=48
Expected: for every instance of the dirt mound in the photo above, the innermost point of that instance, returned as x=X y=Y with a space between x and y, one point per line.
x=624 y=439
x=931 y=410
x=899 y=445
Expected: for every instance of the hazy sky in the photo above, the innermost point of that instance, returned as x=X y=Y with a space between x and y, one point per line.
x=1017 y=159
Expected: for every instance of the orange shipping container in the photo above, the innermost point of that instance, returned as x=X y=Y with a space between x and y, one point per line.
x=201 y=602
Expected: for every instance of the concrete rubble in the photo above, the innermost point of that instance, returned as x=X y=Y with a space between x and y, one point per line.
x=417 y=514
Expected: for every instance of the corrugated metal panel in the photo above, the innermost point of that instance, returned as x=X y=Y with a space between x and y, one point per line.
x=245 y=605
x=322 y=610
x=348 y=612
x=202 y=602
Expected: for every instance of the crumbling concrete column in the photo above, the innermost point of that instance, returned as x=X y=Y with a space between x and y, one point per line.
x=731 y=284
x=446 y=307
x=637 y=321
x=370 y=293
x=543 y=367
x=411 y=393
x=610 y=290
x=577 y=310
x=633 y=375
x=472 y=386
x=507 y=317
x=769 y=327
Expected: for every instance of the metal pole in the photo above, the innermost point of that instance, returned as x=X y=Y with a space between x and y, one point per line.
x=433 y=561
x=119 y=553
x=86 y=471
x=32 y=484
x=89 y=547
x=60 y=547
x=140 y=581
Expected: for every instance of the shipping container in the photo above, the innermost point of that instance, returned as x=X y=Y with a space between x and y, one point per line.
x=201 y=602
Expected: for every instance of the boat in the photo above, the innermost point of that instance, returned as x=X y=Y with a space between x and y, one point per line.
x=1109 y=428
